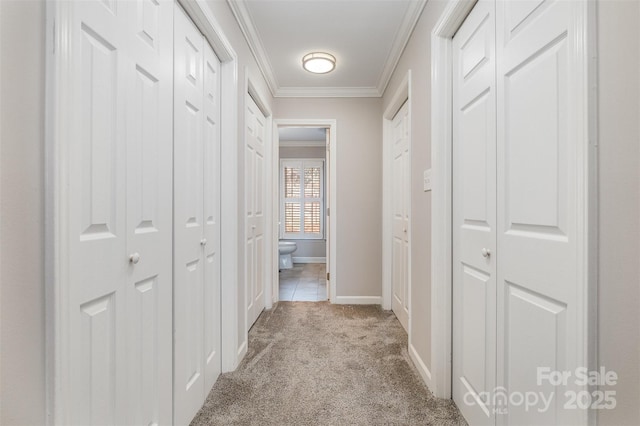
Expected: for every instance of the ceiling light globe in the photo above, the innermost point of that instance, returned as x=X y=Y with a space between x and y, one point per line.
x=319 y=62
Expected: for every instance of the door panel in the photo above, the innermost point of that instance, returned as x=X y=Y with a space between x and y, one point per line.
x=149 y=212
x=474 y=214
x=538 y=236
x=255 y=190
x=400 y=211
x=212 y=96
x=188 y=219
x=120 y=155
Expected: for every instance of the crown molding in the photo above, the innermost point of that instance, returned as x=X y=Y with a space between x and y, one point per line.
x=251 y=35
x=327 y=92
x=400 y=42
x=243 y=17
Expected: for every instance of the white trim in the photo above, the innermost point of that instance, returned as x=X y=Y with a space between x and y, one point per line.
x=441 y=225
x=302 y=144
x=309 y=259
x=332 y=175
x=420 y=366
x=357 y=300
x=256 y=45
x=243 y=17
x=402 y=95
x=328 y=92
x=441 y=134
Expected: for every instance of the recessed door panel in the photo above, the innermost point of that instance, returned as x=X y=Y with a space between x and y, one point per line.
x=400 y=170
x=255 y=189
x=474 y=215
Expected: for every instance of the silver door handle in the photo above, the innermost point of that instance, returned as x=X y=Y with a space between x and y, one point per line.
x=404 y=230
x=203 y=242
x=253 y=227
x=134 y=258
x=486 y=252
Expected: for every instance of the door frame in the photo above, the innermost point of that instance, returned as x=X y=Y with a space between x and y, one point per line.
x=402 y=95
x=330 y=173
x=57 y=106
x=250 y=89
x=441 y=226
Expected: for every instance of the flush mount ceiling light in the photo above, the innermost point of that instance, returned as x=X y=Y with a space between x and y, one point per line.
x=319 y=62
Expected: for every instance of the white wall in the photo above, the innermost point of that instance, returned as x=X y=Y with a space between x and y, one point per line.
x=359 y=180
x=417 y=58
x=619 y=139
x=22 y=320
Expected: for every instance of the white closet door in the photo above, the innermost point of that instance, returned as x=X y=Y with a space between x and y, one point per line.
x=474 y=215
x=255 y=181
x=541 y=203
x=149 y=212
x=213 y=363
x=401 y=167
x=189 y=265
x=98 y=263
x=117 y=343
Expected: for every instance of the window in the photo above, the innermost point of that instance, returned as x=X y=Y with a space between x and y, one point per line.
x=302 y=199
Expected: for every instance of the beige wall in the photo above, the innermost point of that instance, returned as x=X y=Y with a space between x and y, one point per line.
x=417 y=58
x=359 y=180
x=619 y=139
x=22 y=320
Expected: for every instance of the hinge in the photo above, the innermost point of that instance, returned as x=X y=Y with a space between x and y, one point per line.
x=55 y=40
x=327 y=211
x=327 y=276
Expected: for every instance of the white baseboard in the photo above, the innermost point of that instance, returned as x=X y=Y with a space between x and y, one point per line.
x=358 y=300
x=420 y=366
x=242 y=351
x=309 y=259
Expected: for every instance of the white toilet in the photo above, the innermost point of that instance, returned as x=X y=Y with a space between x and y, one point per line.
x=286 y=248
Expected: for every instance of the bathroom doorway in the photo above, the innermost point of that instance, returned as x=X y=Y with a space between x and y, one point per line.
x=302 y=208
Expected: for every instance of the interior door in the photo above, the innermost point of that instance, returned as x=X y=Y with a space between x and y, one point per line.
x=541 y=144
x=474 y=215
x=401 y=167
x=149 y=213
x=188 y=219
x=212 y=307
x=255 y=181
x=117 y=301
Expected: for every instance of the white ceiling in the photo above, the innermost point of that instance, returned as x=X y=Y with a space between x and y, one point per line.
x=367 y=38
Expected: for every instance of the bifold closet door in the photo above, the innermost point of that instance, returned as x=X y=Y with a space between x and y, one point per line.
x=116 y=307
x=542 y=148
x=255 y=190
x=401 y=167
x=520 y=151
x=196 y=225
x=474 y=214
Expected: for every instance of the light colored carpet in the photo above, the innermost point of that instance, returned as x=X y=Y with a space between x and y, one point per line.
x=322 y=364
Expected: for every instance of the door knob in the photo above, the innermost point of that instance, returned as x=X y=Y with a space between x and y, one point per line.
x=486 y=252
x=134 y=258
x=404 y=230
x=203 y=242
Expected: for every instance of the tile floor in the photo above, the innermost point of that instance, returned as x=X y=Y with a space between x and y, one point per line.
x=306 y=282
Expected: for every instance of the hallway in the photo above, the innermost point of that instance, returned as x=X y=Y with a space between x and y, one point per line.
x=321 y=364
